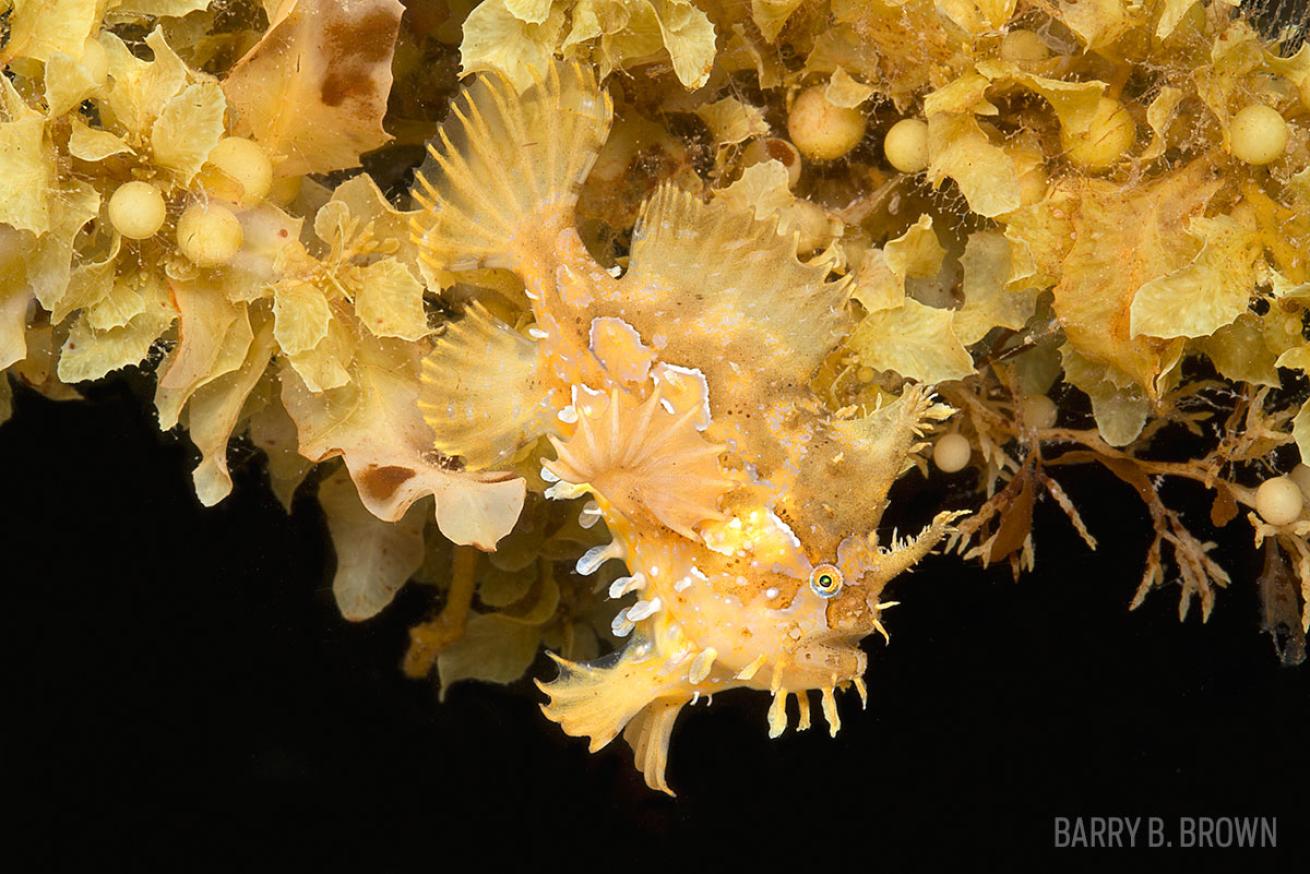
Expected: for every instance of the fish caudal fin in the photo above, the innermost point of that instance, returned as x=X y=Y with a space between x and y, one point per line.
x=480 y=393
x=504 y=168
x=598 y=702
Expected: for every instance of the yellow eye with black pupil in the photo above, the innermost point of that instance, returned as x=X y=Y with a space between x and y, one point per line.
x=826 y=581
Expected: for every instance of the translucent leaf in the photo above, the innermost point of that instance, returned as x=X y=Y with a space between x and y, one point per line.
x=390 y=301
x=960 y=150
x=494 y=39
x=493 y=649
x=139 y=89
x=127 y=299
x=689 y=38
x=70 y=79
x=1074 y=103
x=844 y=91
x=1239 y=353
x=1120 y=411
x=1209 y=292
x=214 y=336
x=1301 y=431
x=314 y=89
x=374 y=423
x=1124 y=237
x=214 y=411
x=1171 y=15
x=15 y=295
x=273 y=431
x=965 y=94
x=732 y=121
x=188 y=127
x=532 y=11
x=40 y=28
x=1096 y=22
x=90 y=354
x=988 y=303
x=93 y=144
x=50 y=260
x=771 y=15
x=915 y=340
x=28 y=169
x=1159 y=115
x=302 y=315
x=916 y=253
x=374 y=558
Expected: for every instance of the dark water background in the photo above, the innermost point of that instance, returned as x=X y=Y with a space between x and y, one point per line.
x=182 y=695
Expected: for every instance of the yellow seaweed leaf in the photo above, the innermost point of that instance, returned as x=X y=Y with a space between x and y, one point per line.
x=302 y=315
x=1209 y=292
x=390 y=301
x=915 y=340
x=497 y=40
x=90 y=354
x=732 y=121
x=40 y=28
x=70 y=79
x=139 y=89
x=188 y=127
x=27 y=164
x=214 y=336
x=770 y=16
x=93 y=144
x=493 y=649
x=215 y=410
x=374 y=423
x=314 y=89
x=689 y=37
x=960 y=149
x=988 y=303
x=1124 y=237
x=374 y=558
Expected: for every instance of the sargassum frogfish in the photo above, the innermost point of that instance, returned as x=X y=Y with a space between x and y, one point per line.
x=677 y=396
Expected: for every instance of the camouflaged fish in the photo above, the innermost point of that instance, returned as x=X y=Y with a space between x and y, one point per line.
x=677 y=397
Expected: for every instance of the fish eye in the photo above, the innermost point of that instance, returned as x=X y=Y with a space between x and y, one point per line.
x=826 y=580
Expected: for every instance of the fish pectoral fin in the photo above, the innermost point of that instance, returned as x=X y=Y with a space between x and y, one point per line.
x=483 y=414
x=648 y=734
x=650 y=464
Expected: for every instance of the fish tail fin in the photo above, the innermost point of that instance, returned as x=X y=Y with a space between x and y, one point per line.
x=505 y=168
x=599 y=701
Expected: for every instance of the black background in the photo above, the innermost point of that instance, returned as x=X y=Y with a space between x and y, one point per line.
x=182 y=694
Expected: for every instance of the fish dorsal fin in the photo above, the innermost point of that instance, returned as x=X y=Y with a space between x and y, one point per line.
x=707 y=280
x=504 y=169
x=480 y=392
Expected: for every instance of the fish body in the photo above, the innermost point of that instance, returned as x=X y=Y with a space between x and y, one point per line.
x=677 y=397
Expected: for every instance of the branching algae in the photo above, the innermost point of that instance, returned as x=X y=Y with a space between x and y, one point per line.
x=627 y=366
